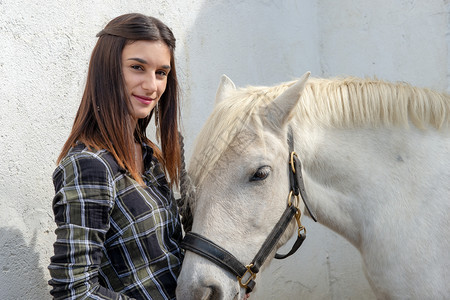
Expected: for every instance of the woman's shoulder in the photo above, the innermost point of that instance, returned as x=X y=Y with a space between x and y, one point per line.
x=82 y=158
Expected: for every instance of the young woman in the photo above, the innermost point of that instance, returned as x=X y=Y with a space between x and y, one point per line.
x=118 y=229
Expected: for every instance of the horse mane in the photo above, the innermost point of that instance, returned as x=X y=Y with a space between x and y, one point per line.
x=341 y=102
x=356 y=102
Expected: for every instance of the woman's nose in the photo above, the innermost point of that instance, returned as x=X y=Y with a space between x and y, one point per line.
x=149 y=83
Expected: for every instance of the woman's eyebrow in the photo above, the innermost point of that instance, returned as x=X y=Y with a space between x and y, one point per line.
x=143 y=61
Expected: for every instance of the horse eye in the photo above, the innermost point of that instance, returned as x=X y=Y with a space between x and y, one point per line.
x=262 y=173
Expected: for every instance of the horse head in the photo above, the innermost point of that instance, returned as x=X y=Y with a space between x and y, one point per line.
x=241 y=178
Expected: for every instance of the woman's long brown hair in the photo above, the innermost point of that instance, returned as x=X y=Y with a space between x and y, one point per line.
x=103 y=120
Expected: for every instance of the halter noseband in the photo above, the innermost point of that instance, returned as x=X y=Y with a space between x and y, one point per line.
x=246 y=274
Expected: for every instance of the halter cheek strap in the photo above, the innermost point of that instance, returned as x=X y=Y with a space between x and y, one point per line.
x=296 y=177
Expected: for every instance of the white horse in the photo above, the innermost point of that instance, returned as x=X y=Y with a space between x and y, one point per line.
x=376 y=166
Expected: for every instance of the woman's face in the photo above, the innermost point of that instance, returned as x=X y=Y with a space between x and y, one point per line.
x=145 y=66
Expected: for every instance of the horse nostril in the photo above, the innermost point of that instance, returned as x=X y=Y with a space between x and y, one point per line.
x=211 y=292
x=216 y=292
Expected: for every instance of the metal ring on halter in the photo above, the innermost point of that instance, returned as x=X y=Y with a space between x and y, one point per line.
x=297 y=198
x=292 y=161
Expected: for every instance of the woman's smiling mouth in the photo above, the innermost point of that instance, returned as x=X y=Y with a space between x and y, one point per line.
x=143 y=99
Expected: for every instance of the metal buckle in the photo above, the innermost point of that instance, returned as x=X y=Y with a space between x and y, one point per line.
x=251 y=277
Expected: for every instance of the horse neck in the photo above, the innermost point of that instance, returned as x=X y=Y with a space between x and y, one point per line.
x=356 y=178
x=332 y=208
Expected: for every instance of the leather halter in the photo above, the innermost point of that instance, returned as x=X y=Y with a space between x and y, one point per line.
x=246 y=274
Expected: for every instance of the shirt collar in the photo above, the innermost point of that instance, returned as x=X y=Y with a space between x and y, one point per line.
x=147 y=154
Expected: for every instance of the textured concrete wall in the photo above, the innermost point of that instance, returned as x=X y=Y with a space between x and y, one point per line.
x=44 y=52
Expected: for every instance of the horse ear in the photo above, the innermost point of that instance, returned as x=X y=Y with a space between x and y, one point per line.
x=279 y=111
x=226 y=85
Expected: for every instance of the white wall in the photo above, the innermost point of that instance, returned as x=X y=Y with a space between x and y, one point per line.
x=45 y=47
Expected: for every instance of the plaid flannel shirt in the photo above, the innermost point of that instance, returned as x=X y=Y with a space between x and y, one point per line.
x=115 y=238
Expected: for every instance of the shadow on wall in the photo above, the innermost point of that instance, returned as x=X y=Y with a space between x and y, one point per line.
x=20 y=272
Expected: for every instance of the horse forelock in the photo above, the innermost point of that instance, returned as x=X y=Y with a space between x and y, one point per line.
x=341 y=102
x=228 y=119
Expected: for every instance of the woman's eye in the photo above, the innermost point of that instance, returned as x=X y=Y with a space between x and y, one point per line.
x=261 y=174
x=137 y=67
x=161 y=73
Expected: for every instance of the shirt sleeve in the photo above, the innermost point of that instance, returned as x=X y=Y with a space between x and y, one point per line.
x=84 y=198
